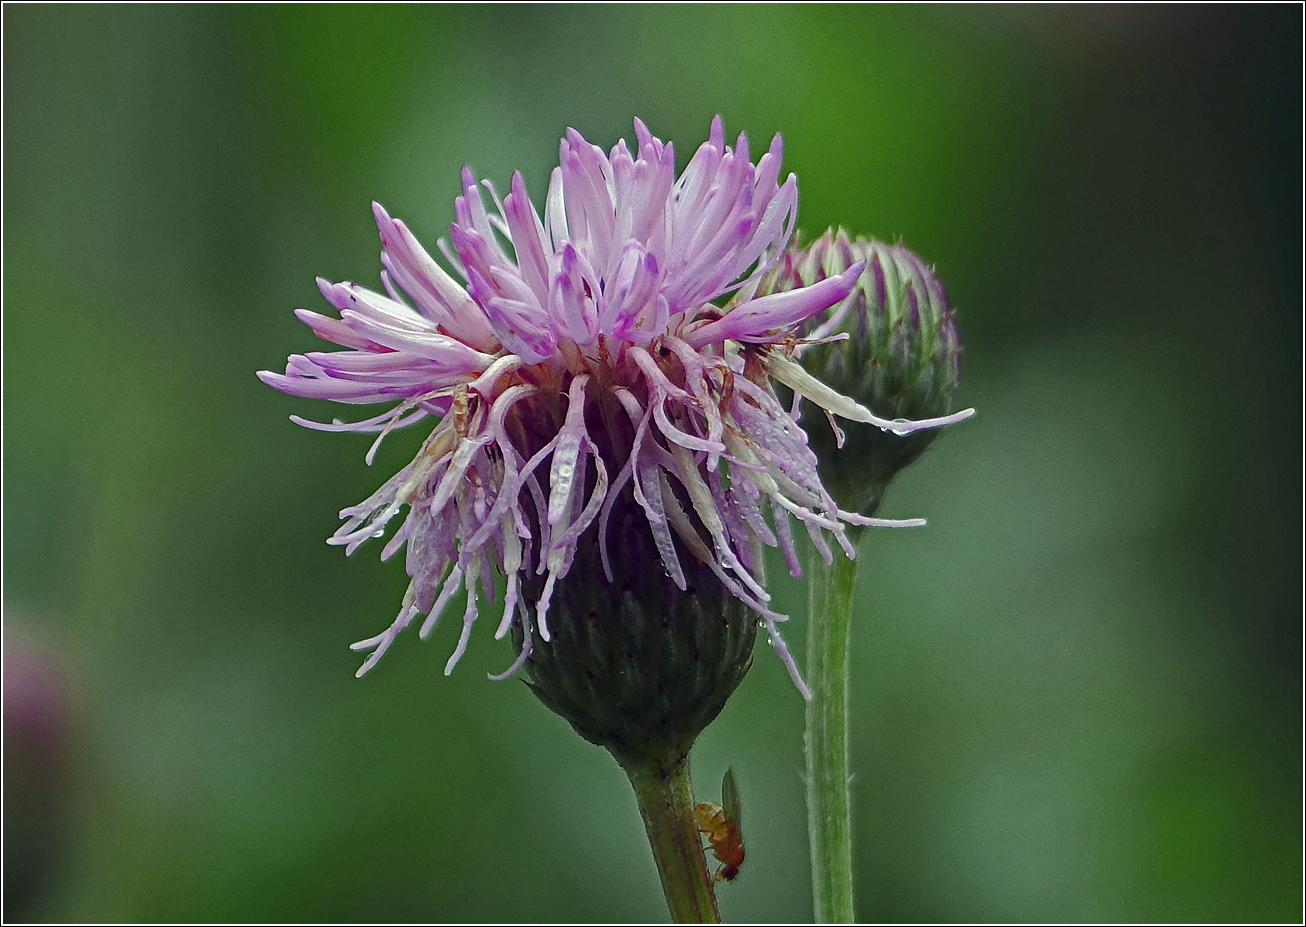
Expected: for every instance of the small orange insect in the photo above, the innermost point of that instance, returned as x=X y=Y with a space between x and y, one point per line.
x=721 y=826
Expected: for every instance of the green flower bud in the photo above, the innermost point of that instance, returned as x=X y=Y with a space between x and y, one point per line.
x=638 y=665
x=901 y=358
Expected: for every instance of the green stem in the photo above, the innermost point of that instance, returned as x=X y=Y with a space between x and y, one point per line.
x=661 y=785
x=830 y=597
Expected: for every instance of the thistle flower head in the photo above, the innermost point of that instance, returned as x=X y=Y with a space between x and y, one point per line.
x=607 y=356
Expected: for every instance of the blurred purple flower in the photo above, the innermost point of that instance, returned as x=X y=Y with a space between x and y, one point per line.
x=38 y=722
x=596 y=339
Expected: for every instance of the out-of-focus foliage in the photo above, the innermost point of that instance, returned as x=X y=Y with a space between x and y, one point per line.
x=1077 y=692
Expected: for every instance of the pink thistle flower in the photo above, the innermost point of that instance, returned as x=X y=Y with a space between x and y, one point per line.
x=587 y=357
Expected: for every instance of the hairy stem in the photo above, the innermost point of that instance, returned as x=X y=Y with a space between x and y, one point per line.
x=661 y=785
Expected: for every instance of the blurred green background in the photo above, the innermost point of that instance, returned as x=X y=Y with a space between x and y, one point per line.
x=1077 y=693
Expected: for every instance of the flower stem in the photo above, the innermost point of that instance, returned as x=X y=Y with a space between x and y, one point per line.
x=830 y=598
x=661 y=784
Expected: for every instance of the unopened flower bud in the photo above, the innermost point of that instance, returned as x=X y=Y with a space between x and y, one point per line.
x=901 y=357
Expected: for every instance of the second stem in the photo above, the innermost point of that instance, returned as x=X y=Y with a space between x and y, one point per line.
x=829 y=624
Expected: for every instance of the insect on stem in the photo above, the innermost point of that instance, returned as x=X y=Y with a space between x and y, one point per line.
x=720 y=824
